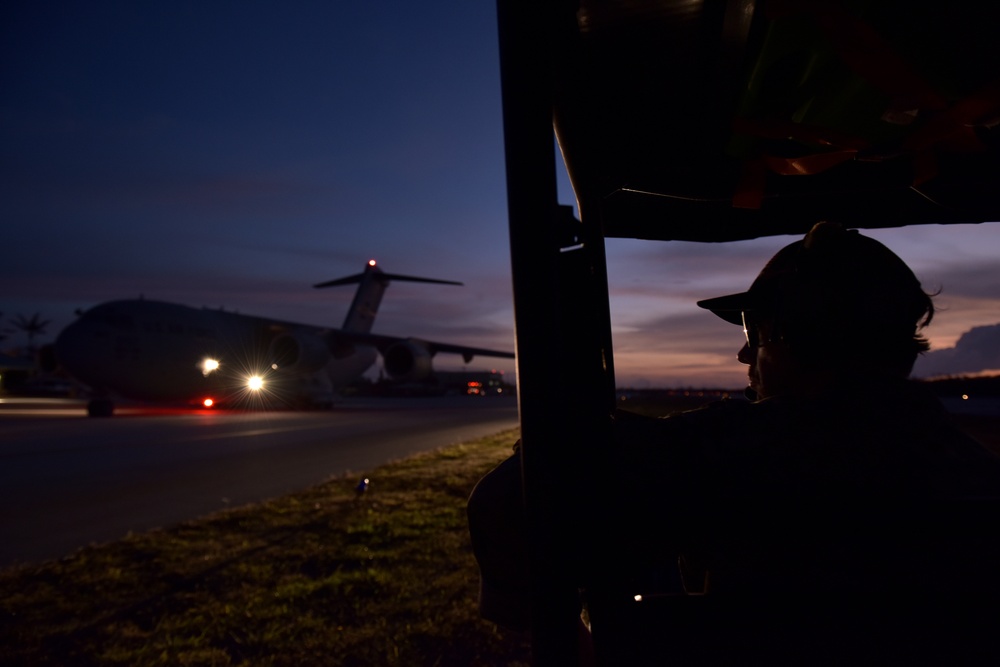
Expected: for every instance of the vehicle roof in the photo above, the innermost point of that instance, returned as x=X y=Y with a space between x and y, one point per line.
x=719 y=121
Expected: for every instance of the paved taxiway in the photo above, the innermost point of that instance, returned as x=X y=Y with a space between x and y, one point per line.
x=67 y=480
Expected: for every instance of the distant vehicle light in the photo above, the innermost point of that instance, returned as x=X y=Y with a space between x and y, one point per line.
x=208 y=402
x=208 y=365
x=255 y=383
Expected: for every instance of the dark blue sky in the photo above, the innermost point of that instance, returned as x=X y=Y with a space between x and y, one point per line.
x=234 y=153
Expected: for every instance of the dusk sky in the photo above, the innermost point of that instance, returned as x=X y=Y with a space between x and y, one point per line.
x=234 y=153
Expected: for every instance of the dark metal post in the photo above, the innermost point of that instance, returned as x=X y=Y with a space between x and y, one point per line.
x=563 y=359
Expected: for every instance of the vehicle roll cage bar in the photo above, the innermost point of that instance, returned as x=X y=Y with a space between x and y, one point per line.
x=713 y=121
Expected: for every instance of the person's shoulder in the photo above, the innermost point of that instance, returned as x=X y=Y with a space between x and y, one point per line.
x=725 y=408
x=724 y=405
x=712 y=418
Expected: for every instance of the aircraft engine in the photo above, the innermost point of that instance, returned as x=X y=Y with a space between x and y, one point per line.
x=300 y=353
x=407 y=360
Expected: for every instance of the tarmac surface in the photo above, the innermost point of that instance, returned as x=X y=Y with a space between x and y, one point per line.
x=67 y=480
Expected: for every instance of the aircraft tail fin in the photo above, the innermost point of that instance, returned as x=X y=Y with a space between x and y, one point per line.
x=372 y=283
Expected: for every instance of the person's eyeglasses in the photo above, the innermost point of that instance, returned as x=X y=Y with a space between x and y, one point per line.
x=750 y=331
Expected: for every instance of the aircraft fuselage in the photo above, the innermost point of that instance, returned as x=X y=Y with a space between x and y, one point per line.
x=157 y=351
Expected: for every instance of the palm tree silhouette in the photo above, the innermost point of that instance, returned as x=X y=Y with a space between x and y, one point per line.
x=33 y=327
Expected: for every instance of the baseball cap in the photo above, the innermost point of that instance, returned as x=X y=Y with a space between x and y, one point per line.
x=838 y=272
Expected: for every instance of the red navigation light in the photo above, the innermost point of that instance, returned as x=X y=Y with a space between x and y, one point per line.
x=208 y=402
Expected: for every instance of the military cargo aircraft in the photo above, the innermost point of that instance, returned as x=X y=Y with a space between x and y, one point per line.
x=163 y=352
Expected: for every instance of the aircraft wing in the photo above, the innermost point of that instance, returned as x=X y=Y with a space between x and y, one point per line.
x=466 y=352
x=383 y=343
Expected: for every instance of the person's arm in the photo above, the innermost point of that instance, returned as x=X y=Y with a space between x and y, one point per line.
x=499 y=542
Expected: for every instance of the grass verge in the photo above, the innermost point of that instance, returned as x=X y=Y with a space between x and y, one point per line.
x=321 y=577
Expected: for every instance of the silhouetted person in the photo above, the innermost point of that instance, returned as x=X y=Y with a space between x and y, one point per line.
x=840 y=492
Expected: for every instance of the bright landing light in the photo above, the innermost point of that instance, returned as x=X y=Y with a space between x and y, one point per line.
x=255 y=383
x=208 y=365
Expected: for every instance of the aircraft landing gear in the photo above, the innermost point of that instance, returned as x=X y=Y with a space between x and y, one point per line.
x=100 y=407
